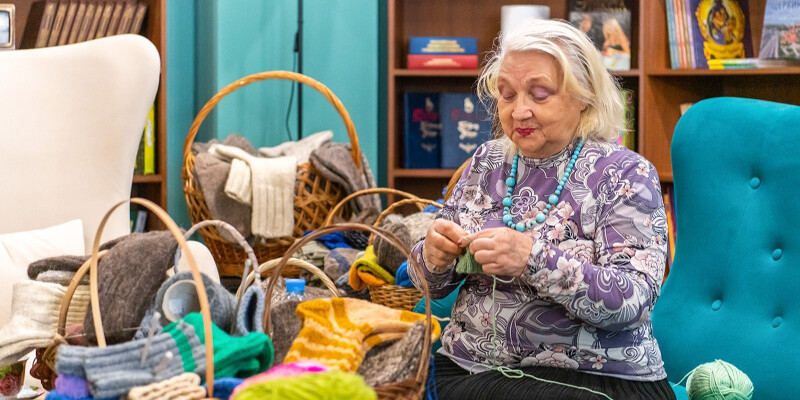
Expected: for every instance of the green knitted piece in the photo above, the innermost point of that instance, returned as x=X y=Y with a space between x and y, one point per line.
x=468 y=265
x=234 y=356
x=332 y=385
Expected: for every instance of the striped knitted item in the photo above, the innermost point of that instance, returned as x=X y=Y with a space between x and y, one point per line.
x=338 y=332
x=185 y=386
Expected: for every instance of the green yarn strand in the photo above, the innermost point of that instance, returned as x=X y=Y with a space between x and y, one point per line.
x=718 y=380
x=467 y=264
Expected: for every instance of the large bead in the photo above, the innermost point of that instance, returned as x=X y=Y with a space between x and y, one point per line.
x=510 y=182
x=540 y=217
x=553 y=199
x=520 y=226
x=506 y=218
x=507 y=202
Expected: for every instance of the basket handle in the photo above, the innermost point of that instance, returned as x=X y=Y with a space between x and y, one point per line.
x=385 y=234
x=336 y=209
x=73 y=286
x=293 y=262
x=263 y=76
x=198 y=281
x=451 y=185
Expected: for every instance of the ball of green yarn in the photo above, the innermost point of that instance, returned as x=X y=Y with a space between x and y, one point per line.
x=719 y=380
x=332 y=385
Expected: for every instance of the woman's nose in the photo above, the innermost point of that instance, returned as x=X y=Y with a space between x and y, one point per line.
x=522 y=111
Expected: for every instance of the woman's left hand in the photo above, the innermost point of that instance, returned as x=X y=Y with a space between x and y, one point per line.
x=501 y=251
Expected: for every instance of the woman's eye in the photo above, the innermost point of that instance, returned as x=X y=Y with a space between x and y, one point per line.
x=507 y=95
x=540 y=93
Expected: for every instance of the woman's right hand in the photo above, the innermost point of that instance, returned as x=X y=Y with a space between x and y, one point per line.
x=441 y=248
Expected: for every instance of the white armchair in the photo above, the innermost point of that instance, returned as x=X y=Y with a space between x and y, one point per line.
x=70 y=122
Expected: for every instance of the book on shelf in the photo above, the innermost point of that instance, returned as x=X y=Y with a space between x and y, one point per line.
x=116 y=16
x=105 y=18
x=739 y=63
x=704 y=30
x=595 y=5
x=465 y=125
x=126 y=19
x=627 y=137
x=63 y=37
x=421 y=130
x=779 y=36
x=58 y=22
x=138 y=221
x=95 y=23
x=77 y=22
x=88 y=17
x=610 y=31
x=46 y=23
x=138 y=18
x=442 y=61
x=145 y=163
x=442 y=45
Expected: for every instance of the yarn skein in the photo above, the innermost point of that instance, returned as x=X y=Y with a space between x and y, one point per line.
x=718 y=380
x=333 y=385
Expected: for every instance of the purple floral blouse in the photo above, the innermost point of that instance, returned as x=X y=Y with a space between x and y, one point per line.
x=593 y=275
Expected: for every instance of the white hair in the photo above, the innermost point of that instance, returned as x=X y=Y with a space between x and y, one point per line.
x=583 y=74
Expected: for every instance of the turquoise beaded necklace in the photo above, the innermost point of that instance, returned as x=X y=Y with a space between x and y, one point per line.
x=511 y=183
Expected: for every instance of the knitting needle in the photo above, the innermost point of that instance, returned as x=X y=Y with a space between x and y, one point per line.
x=163 y=364
x=154 y=321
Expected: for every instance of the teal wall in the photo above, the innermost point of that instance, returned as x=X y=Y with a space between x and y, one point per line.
x=211 y=46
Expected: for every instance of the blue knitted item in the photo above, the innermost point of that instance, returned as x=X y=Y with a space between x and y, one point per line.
x=401 y=278
x=223 y=387
x=54 y=395
x=332 y=240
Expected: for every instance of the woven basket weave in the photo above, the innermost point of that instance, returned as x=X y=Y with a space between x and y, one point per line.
x=315 y=196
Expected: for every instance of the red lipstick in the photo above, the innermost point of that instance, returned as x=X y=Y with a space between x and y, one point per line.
x=524 y=131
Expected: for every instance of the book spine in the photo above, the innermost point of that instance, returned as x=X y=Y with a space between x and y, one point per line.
x=58 y=22
x=680 y=17
x=465 y=126
x=442 y=45
x=77 y=23
x=418 y=61
x=690 y=33
x=138 y=19
x=63 y=38
x=83 y=31
x=116 y=16
x=673 y=49
x=93 y=26
x=46 y=24
x=105 y=18
x=149 y=143
x=422 y=130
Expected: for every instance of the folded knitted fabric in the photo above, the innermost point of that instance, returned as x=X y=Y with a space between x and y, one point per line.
x=338 y=262
x=272 y=183
x=240 y=356
x=63 y=278
x=356 y=239
x=338 y=332
x=224 y=387
x=285 y=323
x=233 y=139
x=332 y=241
x=114 y=370
x=129 y=276
x=212 y=175
x=56 y=395
x=401 y=278
x=35 y=307
x=366 y=272
x=66 y=263
x=301 y=149
x=331 y=385
x=314 y=252
x=394 y=362
x=334 y=162
x=343 y=284
x=72 y=386
x=389 y=256
x=185 y=386
x=287 y=370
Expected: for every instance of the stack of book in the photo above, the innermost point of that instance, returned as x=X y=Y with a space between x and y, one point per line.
x=73 y=21
x=145 y=163
x=745 y=63
x=442 y=52
x=442 y=130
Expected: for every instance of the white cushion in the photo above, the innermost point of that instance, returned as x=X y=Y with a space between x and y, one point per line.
x=18 y=250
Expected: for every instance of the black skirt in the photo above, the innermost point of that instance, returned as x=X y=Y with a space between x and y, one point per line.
x=456 y=383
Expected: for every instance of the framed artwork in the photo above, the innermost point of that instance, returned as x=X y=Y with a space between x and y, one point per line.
x=6 y=26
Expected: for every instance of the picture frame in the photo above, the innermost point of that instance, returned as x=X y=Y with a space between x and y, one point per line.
x=7 y=31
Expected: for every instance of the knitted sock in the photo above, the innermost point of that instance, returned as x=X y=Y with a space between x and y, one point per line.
x=212 y=176
x=338 y=262
x=72 y=386
x=331 y=385
x=395 y=362
x=34 y=317
x=272 y=187
x=221 y=303
x=251 y=311
x=185 y=386
x=301 y=150
x=224 y=387
x=238 y=186
x=468 y=265
x=129 y=276
x=389 y=256
x=335 y=163
x=234 y=356
x=366 y=272
x=338 y=332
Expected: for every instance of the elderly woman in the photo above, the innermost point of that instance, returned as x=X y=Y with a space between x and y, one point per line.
x=569 y=229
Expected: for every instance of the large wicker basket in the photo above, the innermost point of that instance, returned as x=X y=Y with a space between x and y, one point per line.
x=408 y=389
x=314 y=195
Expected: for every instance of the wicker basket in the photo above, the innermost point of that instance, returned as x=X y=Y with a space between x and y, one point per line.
x=408 y=389
x=315 y=196
x=91 y=267
x=342 y=205
x=267 y=267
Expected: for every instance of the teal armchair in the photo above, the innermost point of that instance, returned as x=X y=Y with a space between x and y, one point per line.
x=732 y=293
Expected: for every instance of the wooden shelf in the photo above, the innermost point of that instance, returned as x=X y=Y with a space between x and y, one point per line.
x=423 y=173
x=148 y=178
x=626 y=74
x=436 y=72
x=724 y=72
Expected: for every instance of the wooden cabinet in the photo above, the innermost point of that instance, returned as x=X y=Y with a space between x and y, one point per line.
x=152 y=187
x=659 y=89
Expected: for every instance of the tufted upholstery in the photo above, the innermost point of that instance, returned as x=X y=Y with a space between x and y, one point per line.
x=732 y=291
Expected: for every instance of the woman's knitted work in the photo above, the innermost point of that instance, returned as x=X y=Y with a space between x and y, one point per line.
x=338 y=332
x=468 y=265
x=332 y=385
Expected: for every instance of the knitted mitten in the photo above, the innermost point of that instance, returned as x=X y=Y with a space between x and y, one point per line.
x=241 y=356
x=301 y=149
x=185 y=386
x=251 y=311
x=338 y=332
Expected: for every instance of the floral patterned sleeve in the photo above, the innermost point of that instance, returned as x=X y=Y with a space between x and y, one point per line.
x=618 y=289
x=443 y=280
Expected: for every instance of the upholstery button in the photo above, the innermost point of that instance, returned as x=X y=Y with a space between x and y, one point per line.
x=716 y=305
x=776 y=255
x=776 y=322
x=755 y=183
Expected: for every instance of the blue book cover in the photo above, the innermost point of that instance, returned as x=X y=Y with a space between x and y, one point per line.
x=442 y=45
x=465 y=126
x=720 y=30
x=422 y=130
x=779 y=37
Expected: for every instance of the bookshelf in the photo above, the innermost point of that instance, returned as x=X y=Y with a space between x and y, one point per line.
x=152 y=187
x=659 y=89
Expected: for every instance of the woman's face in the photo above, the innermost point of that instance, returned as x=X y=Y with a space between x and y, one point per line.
x=538 y=117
